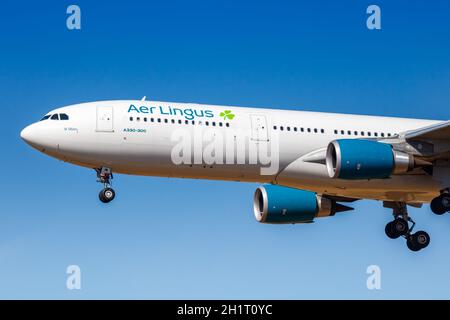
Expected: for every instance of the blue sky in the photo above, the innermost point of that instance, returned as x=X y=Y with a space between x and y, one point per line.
x=171 y=238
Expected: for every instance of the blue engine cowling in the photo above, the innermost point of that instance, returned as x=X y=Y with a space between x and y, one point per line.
x=354 y=159
x=278 y=205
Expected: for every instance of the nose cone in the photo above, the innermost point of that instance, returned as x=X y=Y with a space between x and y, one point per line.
x=27 y=134
x=39 y=137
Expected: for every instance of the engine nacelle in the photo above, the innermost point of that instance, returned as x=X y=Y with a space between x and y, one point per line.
x=279 y=205
x=354 y=159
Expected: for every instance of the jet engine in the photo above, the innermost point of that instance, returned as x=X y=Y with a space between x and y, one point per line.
x=354 y=159
x=280 y=205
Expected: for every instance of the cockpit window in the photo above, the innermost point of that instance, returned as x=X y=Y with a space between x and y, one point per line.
x=61 y=116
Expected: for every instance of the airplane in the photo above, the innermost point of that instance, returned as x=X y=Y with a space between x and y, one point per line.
x=310 y=164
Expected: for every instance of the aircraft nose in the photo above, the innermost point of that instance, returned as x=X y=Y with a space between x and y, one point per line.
x=27 y=134
x=39 y=137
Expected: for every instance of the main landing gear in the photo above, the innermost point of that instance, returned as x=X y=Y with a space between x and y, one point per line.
x=399 y=227
x=441 y=204
x=104 y=175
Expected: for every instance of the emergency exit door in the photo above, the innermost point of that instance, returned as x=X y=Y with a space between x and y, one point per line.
x=105 y=119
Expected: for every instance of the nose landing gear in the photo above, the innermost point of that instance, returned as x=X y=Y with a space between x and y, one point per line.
x=104 y=175
x=399 y=227
x=107 y=195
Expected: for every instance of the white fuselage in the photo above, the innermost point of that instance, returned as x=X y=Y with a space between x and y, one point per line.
x=139 y=137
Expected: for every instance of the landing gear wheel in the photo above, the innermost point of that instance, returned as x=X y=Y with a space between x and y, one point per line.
x=445 y=199
x=107 y=195
x=400 y=226
x=396 y=228
x=390 y=231
x=441 y=204
x=411 y=244
x=417 y=241
x=421 y=238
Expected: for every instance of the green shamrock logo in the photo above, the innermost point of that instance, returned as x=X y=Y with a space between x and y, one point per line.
x=227 y=114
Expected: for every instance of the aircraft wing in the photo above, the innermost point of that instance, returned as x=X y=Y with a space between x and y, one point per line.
x=433 y=142
x=440 y=131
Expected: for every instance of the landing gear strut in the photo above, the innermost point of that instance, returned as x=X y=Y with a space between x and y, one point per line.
x=104 y=175
x=441 y=204
x=399 y=227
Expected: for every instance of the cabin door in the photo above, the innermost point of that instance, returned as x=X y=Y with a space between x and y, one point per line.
x=259 y=127
x=105 y=119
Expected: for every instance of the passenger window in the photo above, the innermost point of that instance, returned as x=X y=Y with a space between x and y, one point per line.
x=281 y=128
x=309 y=129
x=295 y=129
x=322 y=130
x=166 y=121
x=315 y=130
x=55 y=117
x=349 y=132
x=220 y=124
x=63 y=116
x=335 y=131
x=214 y=124
x=362 y=133
x=145 y=119
x=369 y=133
x=227 y=124
x=342 y=132
x=179 y=121
x=138 y=119
x=131 y=118
x=274 y=127
x=288 y=128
